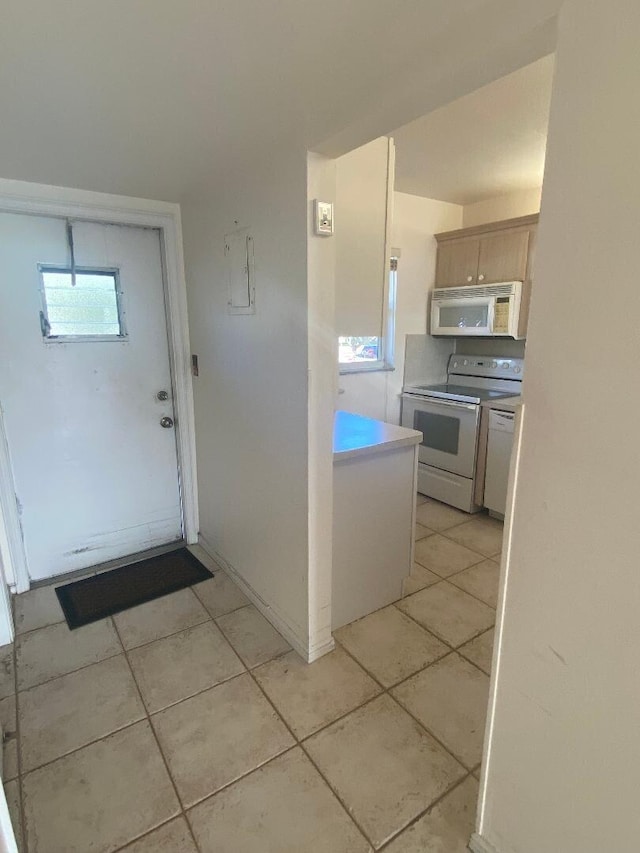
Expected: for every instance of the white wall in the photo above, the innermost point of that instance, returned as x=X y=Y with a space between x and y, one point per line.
x=323 y=373
x=507 y=206
x=251 y=395
x=362 y=185
x=415 y=221
x=364 y=394
x=563 y=773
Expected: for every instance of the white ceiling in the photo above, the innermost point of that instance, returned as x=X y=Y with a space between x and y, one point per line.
x=484 y=144
x=159 y=98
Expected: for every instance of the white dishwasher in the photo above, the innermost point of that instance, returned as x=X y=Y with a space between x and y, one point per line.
x=498 y=460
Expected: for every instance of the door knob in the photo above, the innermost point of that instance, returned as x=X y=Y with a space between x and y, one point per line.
x=166 y=422
x=162 y=395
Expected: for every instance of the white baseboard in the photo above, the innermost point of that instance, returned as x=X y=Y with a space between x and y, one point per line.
x=319 y=651
x=296 y=636
x=478 y=844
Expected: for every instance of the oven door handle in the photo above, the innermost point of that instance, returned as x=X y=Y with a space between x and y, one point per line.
x=455 y=404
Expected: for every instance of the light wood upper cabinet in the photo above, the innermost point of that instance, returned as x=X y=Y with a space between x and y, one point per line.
x=457 y=262
x=503 y=256
x=499 y=251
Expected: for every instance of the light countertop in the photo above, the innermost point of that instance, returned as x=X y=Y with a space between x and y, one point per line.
x=504 y=404
x=355 y=435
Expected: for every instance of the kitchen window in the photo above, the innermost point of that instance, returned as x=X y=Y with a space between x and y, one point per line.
x=373 y=352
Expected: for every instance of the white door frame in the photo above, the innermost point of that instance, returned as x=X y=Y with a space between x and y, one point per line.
x=44 y=200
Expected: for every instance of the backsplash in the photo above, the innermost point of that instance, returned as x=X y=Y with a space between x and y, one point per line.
x=505 y=347
x=426 y=359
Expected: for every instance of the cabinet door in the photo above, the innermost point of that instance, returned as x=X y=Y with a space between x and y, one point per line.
x=503 y=257
x=457 y=262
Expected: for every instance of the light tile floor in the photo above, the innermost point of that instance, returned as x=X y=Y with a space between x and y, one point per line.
x=188 y=725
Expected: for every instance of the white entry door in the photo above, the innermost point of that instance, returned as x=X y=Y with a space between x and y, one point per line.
x=85 y=388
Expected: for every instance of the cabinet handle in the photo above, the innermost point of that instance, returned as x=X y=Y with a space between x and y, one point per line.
x=480 y=277
x=469 y=278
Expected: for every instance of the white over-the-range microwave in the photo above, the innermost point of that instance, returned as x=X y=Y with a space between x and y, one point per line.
x=489 y=310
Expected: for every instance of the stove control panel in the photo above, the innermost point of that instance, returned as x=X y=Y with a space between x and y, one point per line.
x=494 y=367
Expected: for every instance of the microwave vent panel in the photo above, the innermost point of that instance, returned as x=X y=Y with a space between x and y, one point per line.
x=506 y=289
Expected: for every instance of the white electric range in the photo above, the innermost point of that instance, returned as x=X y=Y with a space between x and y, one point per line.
x=448 y=416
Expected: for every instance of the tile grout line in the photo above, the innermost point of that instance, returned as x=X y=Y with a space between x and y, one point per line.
x=162 y=755
x=387 y=691
x=477 y=562
x=154 y=829
x=250 y=669
x=472 y=662
x=185 y=809
x=422 y=814
x=445 y=531
x=455 y=649
x=402 y=680
x=240 y=778
x=209 y=618
x=22 y=634
x=482 y=559
x=336 y=794
x=447 y=580
x=472 y=594
x=242 y=659
x=23 y=819
x=71 y=672
x=428 y=630
x=429 y=732
x=234 y=610
x=417 y=817
x=302 y=744
x=433 y=630
x=63 y=621
x=299 y=743
x=147 y=713
x=454 y=574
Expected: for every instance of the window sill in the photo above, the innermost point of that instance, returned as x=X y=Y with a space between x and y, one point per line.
x=345 y=370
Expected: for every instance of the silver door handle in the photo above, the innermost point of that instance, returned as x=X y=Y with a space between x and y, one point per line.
x=166 y=422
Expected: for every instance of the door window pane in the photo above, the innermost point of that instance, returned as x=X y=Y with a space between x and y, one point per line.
x=439 y=432
x=88 y=308
x=464 y=316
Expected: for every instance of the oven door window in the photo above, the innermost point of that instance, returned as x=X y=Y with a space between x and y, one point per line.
x=464 y=316
x=439 y=432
